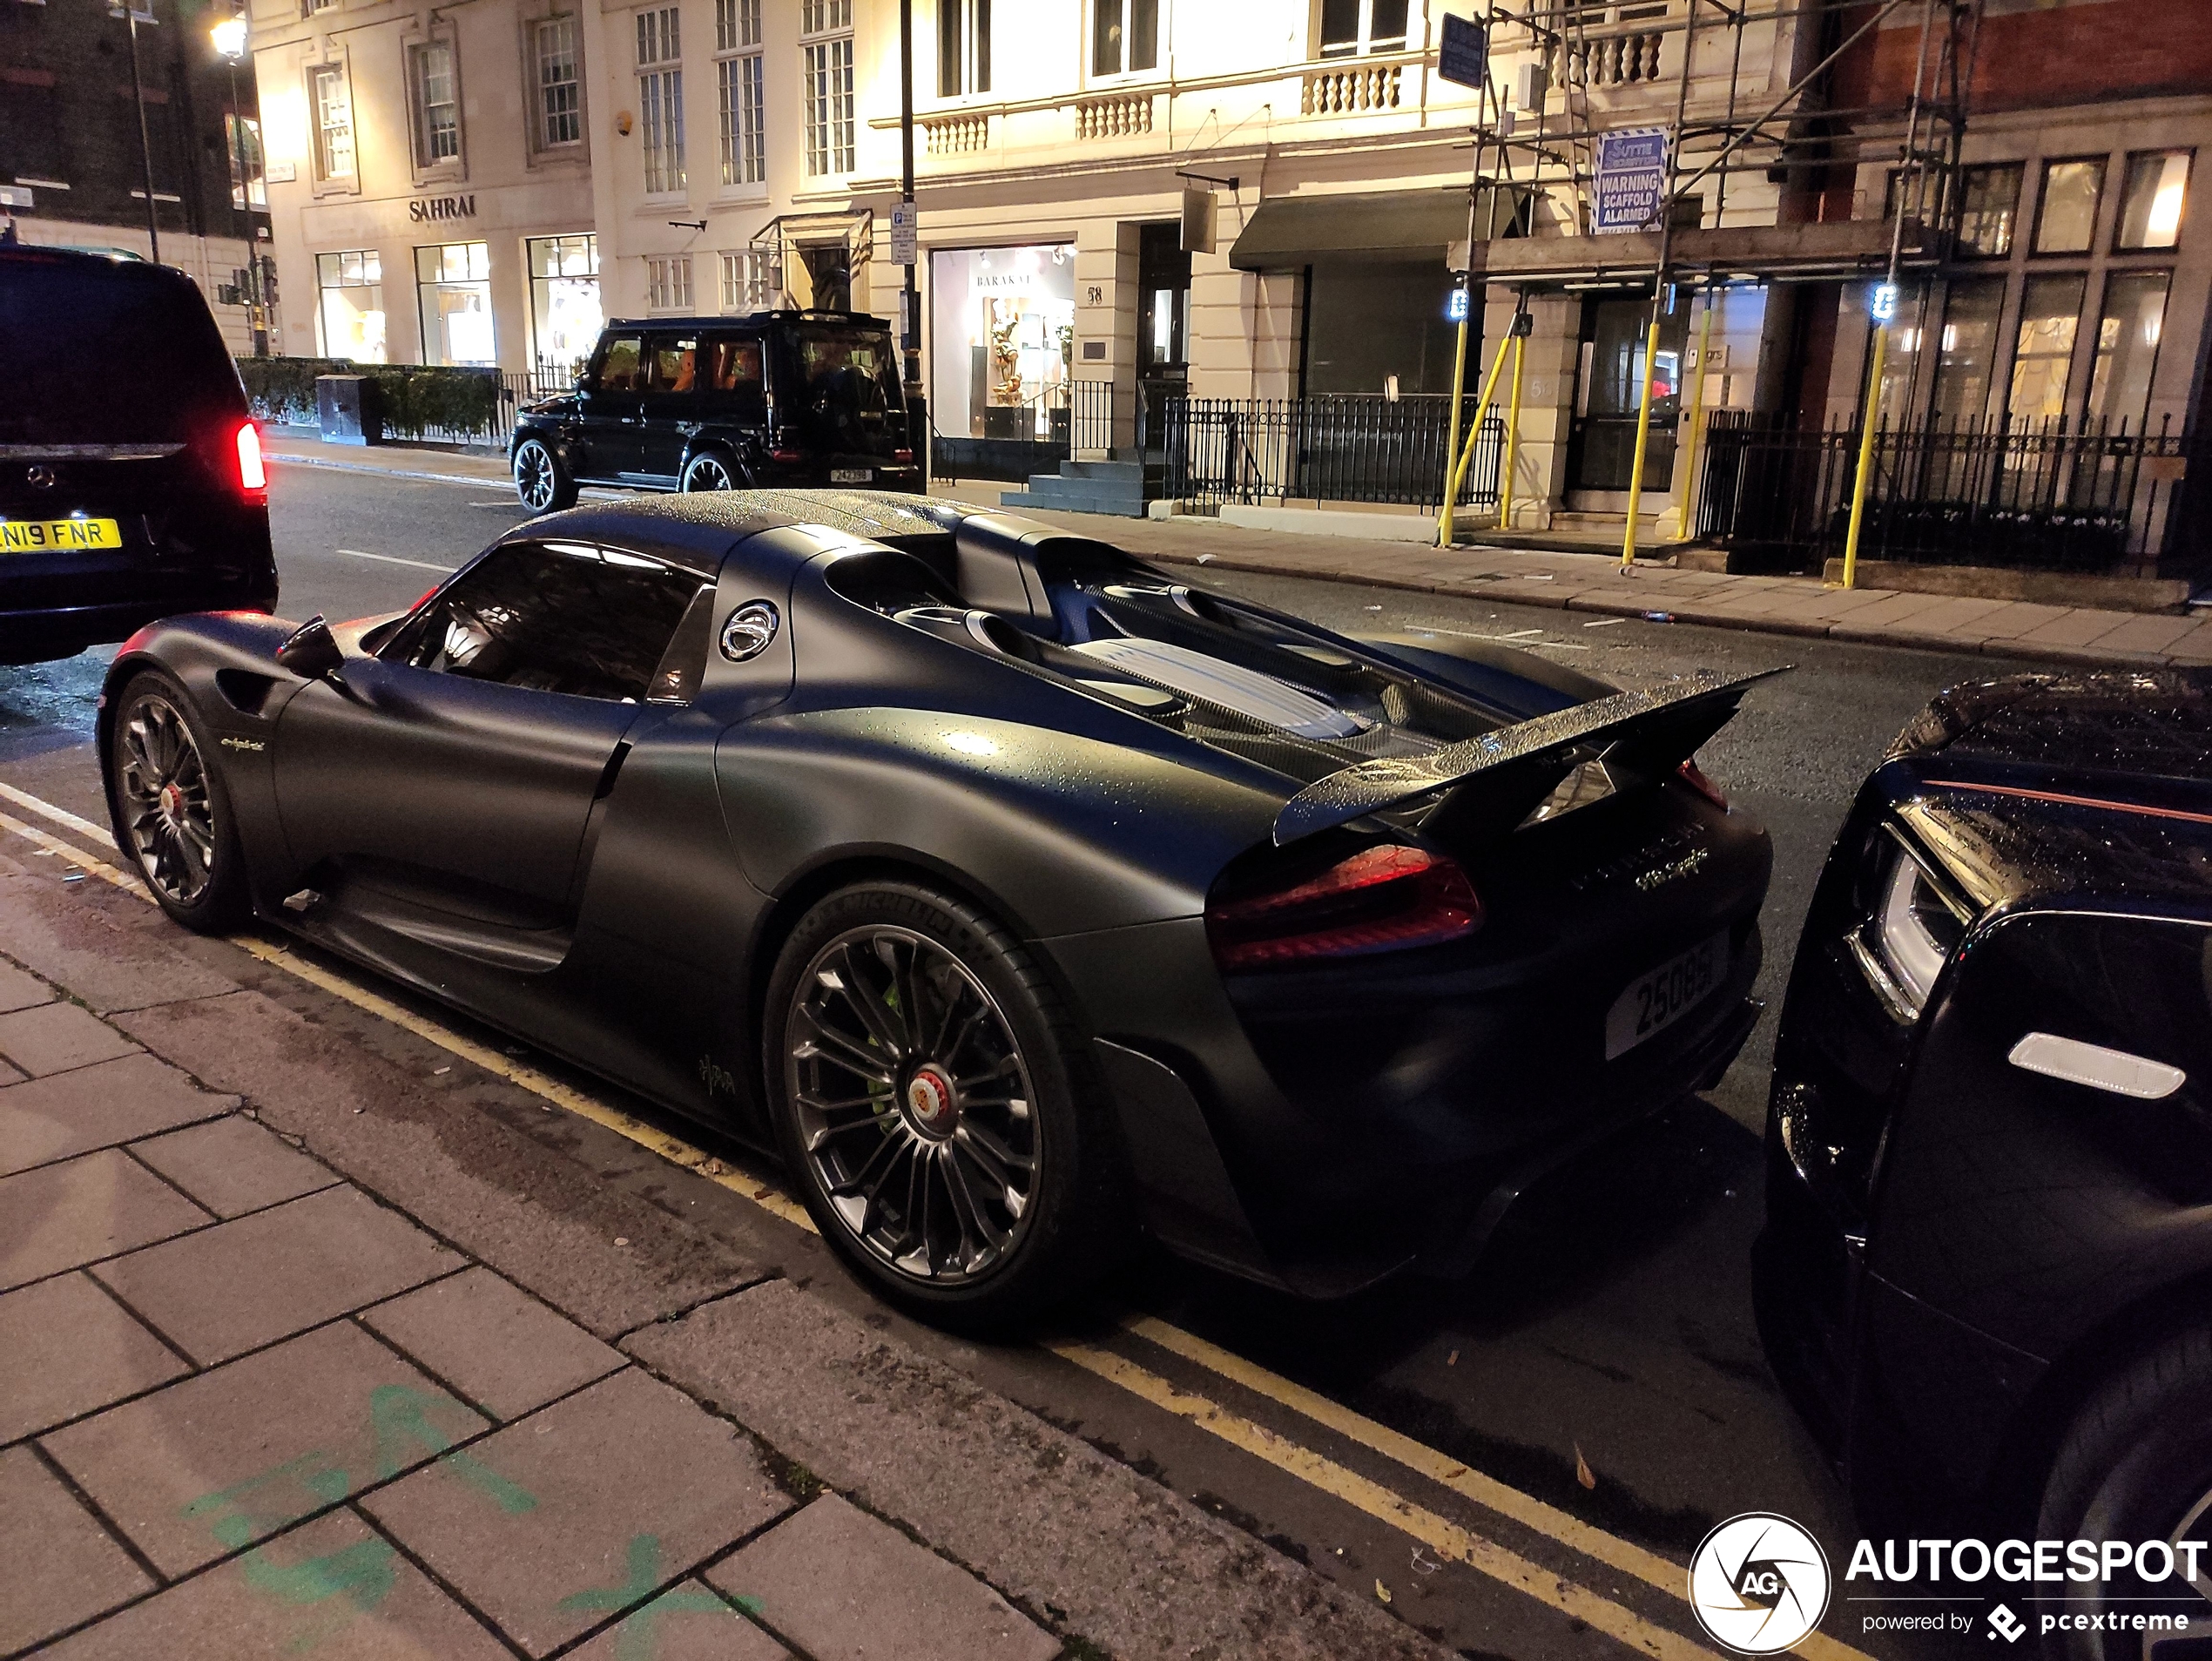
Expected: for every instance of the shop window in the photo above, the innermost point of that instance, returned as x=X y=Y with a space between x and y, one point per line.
x=745 y=284
x=1989 y=205
x=1351 y=28
x=660 y=100
x=350 y=301
x=1124 y=36
x=2043 y=347
x=436 y=92
x=565 y=312
x=2127 y=342
x=452 y=286
x=1966 y=349
x=332 y=101
x=560 y=84
x=826 y=66
x=1897 y=400
x=2066 y=215
x=668 y=282
x=2151 y=203
x=249 y=180
x=1002 y=330
x=738 y=89
x=963 y=47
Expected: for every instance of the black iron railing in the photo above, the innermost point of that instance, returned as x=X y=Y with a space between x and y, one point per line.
x=2053 y=496
x=1336 y=449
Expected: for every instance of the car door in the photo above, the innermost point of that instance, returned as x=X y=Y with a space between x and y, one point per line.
x=670 y=404
x=733 y=396
x=610 y=408
x=445 y=789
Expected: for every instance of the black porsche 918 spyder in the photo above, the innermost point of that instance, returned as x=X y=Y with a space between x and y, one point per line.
x=1017 y=893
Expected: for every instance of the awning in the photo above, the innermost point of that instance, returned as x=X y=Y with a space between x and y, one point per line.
x=1286 y=232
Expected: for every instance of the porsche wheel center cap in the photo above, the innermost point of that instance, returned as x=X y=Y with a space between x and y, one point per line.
x=929 y=1102
x=172 y=803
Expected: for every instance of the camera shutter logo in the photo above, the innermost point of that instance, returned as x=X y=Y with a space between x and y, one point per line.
x=1758 y=1584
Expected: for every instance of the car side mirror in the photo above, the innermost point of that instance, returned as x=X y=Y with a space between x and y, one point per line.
x=310 y=652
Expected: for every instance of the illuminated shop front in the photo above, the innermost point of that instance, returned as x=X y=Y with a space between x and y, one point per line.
x=1002 y=339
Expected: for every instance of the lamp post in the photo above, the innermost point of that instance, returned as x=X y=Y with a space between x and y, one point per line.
x=230 y=39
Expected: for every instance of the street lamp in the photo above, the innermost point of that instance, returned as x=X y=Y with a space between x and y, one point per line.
x=230 y=39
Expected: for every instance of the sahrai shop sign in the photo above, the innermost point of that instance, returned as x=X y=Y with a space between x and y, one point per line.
x=423 y=209
x=1631 y=176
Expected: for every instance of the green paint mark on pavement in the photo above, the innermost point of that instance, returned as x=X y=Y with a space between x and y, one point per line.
x=637 y=1638
x=399 y=1414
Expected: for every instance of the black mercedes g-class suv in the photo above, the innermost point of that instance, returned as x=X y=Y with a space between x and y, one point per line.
x=721 y=403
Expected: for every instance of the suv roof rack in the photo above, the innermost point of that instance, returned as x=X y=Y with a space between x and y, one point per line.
x=723 y=319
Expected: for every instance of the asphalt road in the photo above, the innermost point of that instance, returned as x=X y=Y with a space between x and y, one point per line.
x=1608 y=1332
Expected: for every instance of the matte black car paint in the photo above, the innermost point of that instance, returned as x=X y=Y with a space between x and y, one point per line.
x=1957 y=1248
x=614 y=886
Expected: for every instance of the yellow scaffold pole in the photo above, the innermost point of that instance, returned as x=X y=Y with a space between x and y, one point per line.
x=1458 y=473
x=1643 y=430
x=1513 y=427
x=1865 y=454
x=1686 y=514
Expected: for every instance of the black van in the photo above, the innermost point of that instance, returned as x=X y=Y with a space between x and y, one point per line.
x=132 y=483
x=722 y=403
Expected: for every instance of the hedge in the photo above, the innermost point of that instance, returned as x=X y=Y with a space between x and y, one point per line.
x=415 y=398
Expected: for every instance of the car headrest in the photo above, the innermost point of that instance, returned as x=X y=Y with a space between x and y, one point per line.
x=997 y=572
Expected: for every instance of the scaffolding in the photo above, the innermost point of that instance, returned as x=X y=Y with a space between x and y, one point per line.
x=1578 y=44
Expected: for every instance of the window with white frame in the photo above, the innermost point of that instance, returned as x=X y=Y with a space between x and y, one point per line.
x=333 y=106
x=249 y=176
x=1124 y=36
x=825 y=62
x=660 y=100
x=746 y=282
x=668 y=282
x=436 y=92
x=738 y=89
x=1353 y=28
x=560 y=83
x=963 y=47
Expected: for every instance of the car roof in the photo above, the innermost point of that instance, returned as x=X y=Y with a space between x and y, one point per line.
x=695 y=529
x=735 y=319
x=118 y=265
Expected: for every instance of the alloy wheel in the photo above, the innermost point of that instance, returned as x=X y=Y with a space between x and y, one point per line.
x=534 y=477
x=707 y=473
x=167 y=806
x=913 y=1104
x=2193 y=1526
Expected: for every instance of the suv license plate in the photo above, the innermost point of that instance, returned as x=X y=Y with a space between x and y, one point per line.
x=1663 y=997
x=45 y=536
x=851 y=475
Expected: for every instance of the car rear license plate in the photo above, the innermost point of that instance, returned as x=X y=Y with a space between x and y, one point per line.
x=45 y=536
x=851 y=475
x=1656 y=1000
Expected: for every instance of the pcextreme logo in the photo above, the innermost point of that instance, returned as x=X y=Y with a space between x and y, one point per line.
x=1758 y=1584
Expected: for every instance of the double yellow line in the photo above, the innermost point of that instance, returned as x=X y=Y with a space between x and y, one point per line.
x=1450 y=1541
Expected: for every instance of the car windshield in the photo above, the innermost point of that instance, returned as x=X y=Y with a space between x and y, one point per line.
x=98 y=355
x=840 y=385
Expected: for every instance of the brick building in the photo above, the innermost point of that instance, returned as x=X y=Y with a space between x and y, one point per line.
x=71 y=164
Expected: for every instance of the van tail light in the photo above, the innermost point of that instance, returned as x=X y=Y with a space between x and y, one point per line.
x=1694 y=776
x=252 y=471
x=1385 y=898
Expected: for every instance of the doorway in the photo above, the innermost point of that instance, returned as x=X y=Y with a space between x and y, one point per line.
x=1163 y=330
x=1610 y=393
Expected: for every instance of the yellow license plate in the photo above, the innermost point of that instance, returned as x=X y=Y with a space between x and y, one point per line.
x=51 y=536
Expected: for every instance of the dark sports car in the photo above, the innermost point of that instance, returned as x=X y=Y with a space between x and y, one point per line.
x=1986 y=1278
x=1015 y=892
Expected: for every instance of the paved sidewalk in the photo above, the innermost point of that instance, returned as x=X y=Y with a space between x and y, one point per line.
x=313 y=1339
x=1796 y=605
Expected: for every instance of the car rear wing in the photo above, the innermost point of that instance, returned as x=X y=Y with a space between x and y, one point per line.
x=1493 y=782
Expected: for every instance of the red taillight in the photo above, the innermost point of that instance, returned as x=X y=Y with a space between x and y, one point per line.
x=1385 y=898
x=427 y=593
x=789 y=457
x=253 y=473
x=1696 y=779
x=902 y=457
